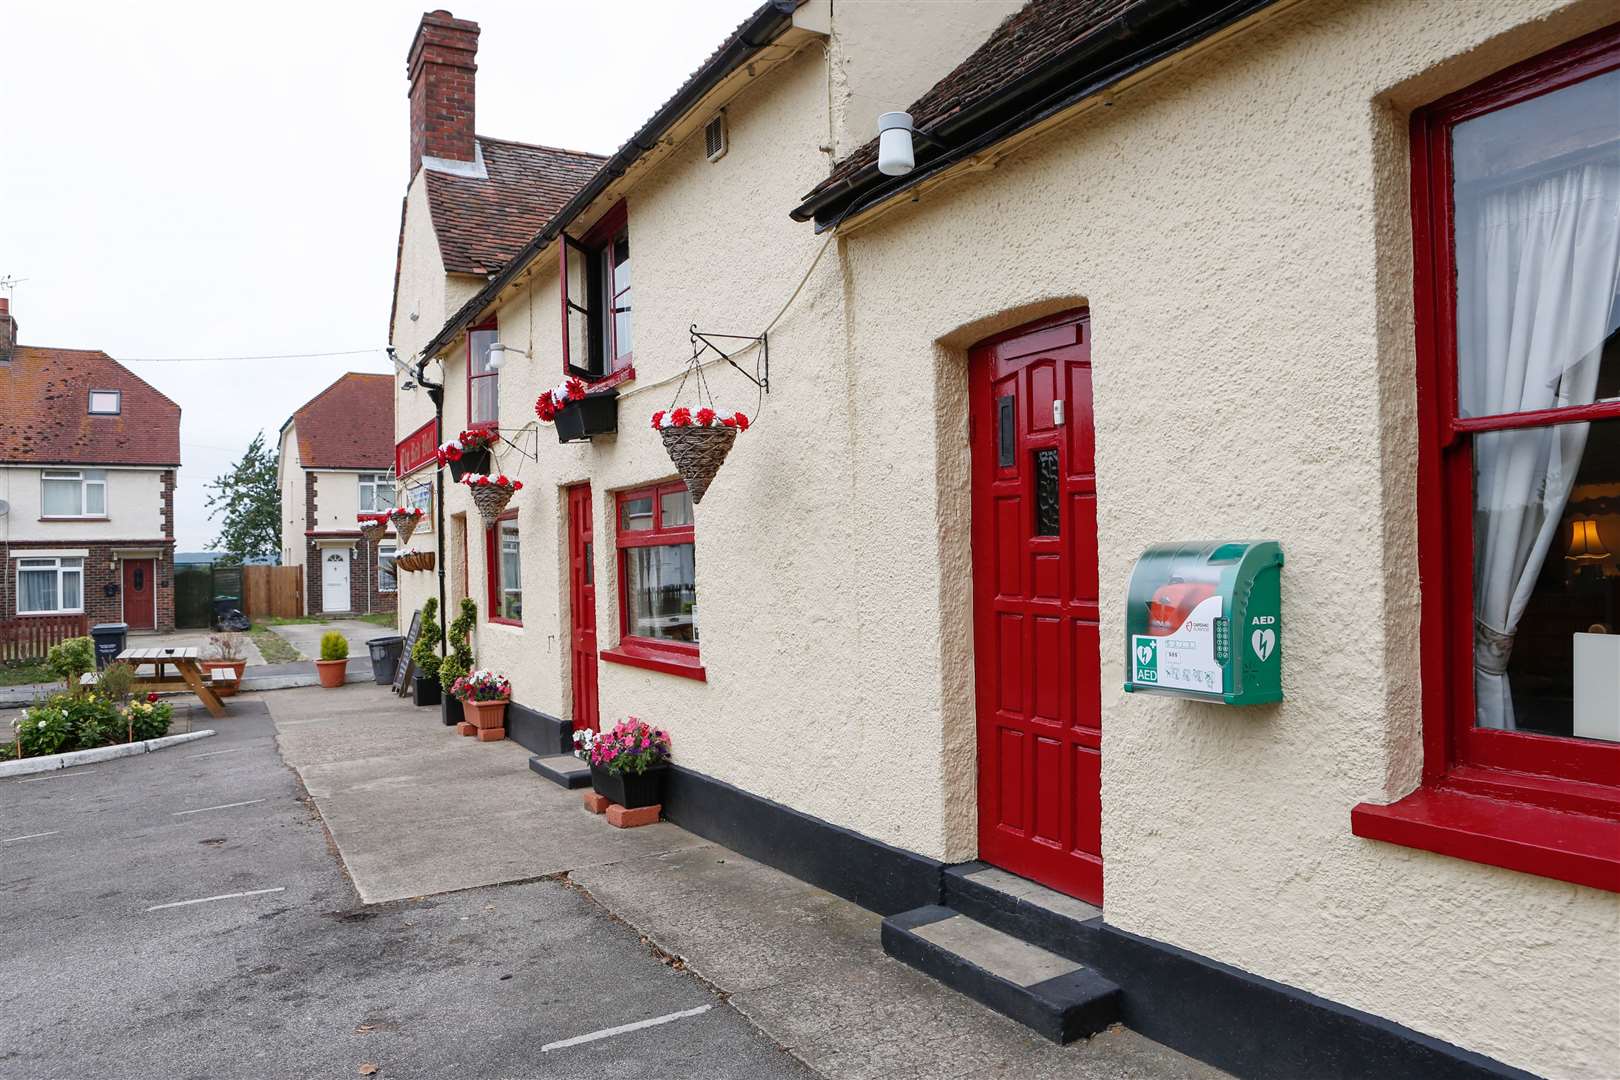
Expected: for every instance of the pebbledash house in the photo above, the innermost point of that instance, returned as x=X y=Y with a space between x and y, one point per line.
x=88 y=456
x=1177 y=514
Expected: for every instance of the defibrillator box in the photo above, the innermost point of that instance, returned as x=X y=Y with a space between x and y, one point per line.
x=1204 y=620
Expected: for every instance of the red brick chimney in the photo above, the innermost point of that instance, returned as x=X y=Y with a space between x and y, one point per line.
x=442 y=72
x=8 y=331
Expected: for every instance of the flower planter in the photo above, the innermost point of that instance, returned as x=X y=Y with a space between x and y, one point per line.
x=374 y=530
x=488 y=717
x=222 y=688
x=594 y=414
x=425 y=691
x=630 y=790
x=698 y=453
x=470 y=461
x=332 y=672
x=450 y=709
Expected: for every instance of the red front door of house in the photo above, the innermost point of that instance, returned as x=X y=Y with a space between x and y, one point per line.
x=582 y=605
x=1035 y=605
x=140 y=599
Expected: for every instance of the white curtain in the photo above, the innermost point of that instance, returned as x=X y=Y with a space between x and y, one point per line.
x=1538 y=265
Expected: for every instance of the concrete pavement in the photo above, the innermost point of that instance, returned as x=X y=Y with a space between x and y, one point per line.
x=415 y=809
x=306 y=637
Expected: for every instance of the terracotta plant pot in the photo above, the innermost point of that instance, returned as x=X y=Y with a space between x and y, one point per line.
x=332 y=672
x=226 y=689
x=488 y=717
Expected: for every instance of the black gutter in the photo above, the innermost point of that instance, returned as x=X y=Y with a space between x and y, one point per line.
x=1145 y=34
x=762 y=28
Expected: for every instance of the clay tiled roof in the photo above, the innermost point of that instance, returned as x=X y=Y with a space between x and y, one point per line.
x=482 y=223
x=349 y=425
x=45 y=412
x=1026 y=41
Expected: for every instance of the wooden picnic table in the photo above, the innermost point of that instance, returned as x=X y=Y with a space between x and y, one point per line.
x=187 y=664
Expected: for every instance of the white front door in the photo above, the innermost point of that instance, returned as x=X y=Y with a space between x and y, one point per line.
x=335 y=580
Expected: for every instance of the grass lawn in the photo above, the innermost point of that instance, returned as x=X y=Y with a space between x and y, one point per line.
x=273 y=647
x=380 y=619
x=23 y=674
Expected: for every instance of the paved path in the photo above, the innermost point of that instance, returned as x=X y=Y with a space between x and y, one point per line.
x=306 y=637
x=181 y=915
x=416 y=809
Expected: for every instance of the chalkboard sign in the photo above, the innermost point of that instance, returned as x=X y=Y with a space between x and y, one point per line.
x=407 y=666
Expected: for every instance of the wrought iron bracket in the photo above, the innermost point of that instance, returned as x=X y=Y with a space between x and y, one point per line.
x=762 y=368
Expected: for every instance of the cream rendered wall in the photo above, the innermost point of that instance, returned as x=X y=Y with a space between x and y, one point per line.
x=886 y=55
x=290 y=478
x=134 y=507
x=337 y=501
x=1239 y=227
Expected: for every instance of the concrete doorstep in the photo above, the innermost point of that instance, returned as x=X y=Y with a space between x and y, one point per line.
x=51 y=762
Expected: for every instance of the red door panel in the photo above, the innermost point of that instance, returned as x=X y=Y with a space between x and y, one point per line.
x=582 y=606
x=1036 y=648
x=140 y=601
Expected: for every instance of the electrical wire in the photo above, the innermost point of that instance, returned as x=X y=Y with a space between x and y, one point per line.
x=267 y=356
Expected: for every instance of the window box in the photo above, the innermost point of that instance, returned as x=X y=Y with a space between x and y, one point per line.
x=630 y=790
x=595 y=414
x=1517 y=243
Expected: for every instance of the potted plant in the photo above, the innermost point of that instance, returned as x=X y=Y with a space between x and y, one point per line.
x=697 y=441
x=484 y=696
x=629 y=763
x=373 y=526
x=333 y=666
x=491 y=494
x=468 y=453
x=425 y=685
x=230 y=654
x=578 y=411
x=459 y=662
x=406 y=519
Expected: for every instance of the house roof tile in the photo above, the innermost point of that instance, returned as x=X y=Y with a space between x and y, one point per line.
x=482 y=223
x=45 y=412
x=349 y=425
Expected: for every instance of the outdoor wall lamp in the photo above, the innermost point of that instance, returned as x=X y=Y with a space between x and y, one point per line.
x=895 y=133
x=497 y=355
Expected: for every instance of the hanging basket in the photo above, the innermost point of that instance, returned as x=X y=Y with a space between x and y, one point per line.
x=405 y=525
x=406 y=562
x=426 y=560
x=373 y=529
x=698 y=453
x=490 y=499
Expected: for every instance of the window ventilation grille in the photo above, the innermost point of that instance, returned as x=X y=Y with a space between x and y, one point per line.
x=714 y=137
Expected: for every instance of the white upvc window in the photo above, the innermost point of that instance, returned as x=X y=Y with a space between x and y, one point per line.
x=73 y=493
x=376 y=493
x=387 y=581
x=50 y=586
x=106 y=402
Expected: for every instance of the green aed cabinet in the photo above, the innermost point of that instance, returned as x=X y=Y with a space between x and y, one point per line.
x=1204 y=620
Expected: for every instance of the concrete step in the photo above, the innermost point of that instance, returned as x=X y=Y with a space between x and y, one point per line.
x=1029 y=912
x=562 y=769
x=1050 y=994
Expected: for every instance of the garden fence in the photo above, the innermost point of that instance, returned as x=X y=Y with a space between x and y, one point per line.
x=27 y=640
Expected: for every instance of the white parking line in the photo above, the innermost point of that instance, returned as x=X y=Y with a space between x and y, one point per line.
x=216 y=753
x=221 y=896
x=221 y=806
x=57 y=775
x=607 y=1033
x=30 y=836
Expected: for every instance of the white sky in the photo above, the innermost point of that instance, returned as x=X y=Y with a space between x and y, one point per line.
x=192 y=179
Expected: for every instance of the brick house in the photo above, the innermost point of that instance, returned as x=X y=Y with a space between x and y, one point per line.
x=335 y=462
x=88 y=453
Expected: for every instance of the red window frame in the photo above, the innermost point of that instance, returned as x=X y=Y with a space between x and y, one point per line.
x=1542 y=804
x=488 y=324
x=492 y=568
x=599 y=238
x=671 y=657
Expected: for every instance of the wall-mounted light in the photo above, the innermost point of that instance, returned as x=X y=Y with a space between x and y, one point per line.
x=497 y=355
x=894 y=144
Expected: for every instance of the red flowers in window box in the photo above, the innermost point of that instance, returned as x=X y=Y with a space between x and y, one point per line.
x=559 y=397
x=472 y=441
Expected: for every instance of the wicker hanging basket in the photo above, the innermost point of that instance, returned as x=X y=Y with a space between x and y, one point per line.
x=406 y=562
x=490 y=499
x=374 y=530
x=405 y=525
x=426 y=560
x=698 y=453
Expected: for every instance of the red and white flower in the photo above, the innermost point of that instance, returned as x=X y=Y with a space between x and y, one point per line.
x=704 y=417
x=483 y=480
x=401 y=513
x=468 y=442
x=558 y=397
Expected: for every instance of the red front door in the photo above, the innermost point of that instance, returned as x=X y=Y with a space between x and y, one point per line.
x=582 y=604
x=1035 y=605
x=140 y=603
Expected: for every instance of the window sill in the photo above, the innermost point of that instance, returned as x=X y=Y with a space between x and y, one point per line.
x=48 y=614
x=670 y=662
x=493 y=621
x=75 y=517
x=1574 y=847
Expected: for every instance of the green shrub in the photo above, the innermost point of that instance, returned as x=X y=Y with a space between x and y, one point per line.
x=44 y=729
x=115 y=681
x=334 y=646
x=460 y=660
x=149 y=719
x=94 y=722
x=426 y=655
x=71 y=659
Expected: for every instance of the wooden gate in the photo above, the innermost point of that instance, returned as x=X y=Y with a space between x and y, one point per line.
x=273 y=592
